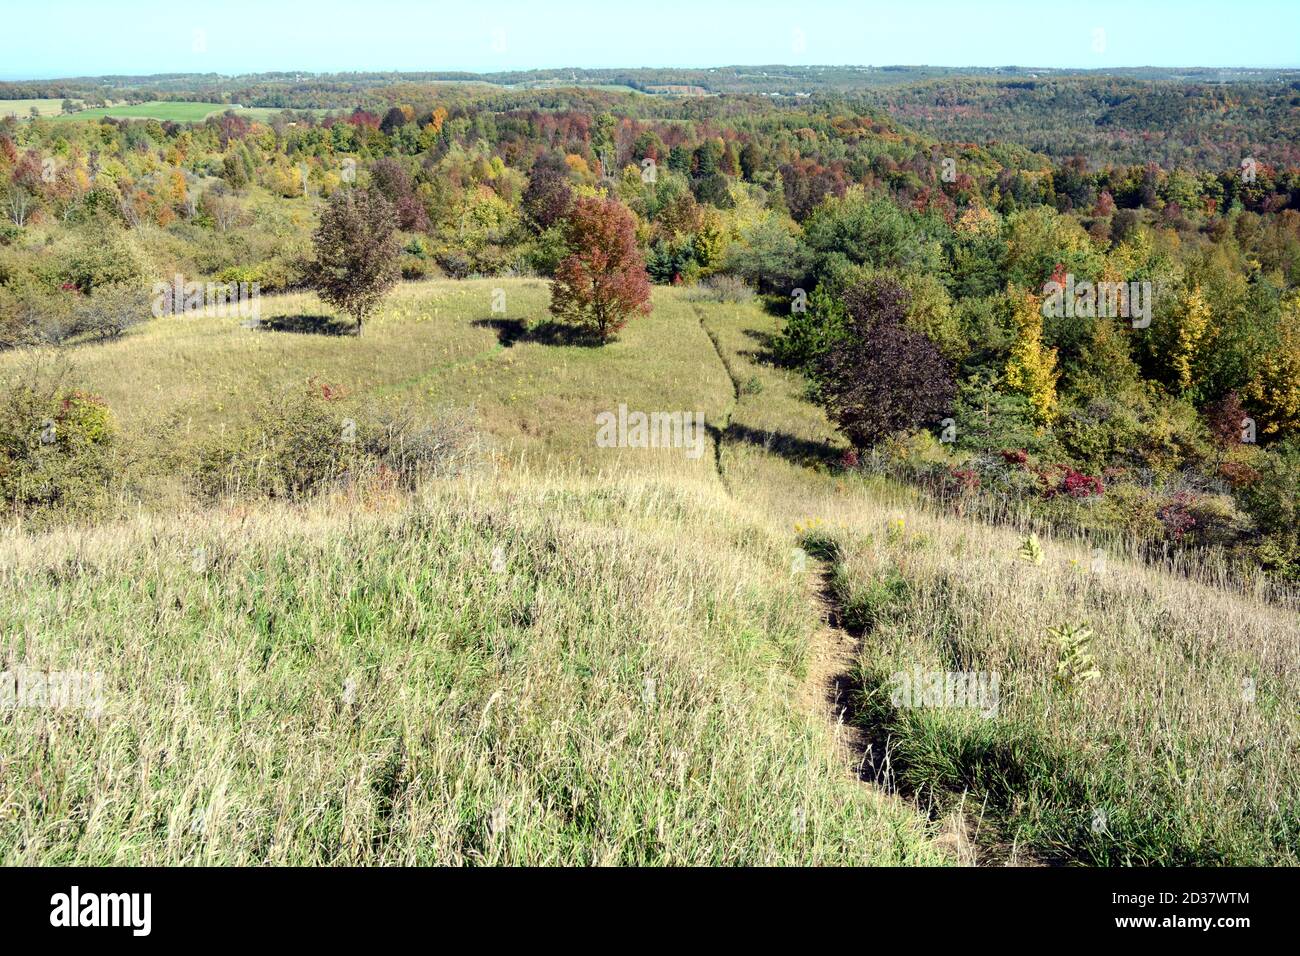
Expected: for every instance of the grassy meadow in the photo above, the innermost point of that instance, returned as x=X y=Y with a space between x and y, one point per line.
x=176 y=382
x=577 y=655
x=22 y=109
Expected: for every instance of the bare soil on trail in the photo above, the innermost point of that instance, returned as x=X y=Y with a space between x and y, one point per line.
x=828 y=689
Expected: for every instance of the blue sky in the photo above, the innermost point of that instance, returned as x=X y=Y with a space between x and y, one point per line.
x=48 y=38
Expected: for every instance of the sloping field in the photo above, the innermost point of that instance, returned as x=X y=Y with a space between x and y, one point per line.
x=576 y=654
x=22 y=109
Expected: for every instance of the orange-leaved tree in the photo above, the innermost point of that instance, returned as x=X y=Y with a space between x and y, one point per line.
x=602 y=282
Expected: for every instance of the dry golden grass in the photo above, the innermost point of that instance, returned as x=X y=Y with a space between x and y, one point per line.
x=353 y=682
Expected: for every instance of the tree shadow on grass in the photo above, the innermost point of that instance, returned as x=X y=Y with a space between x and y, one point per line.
x=308 y=325
x=765 y=353
x=510 y=331
x=799 y=451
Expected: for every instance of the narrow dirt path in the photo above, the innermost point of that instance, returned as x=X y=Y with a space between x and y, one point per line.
x=719 y=431
x=833 y=653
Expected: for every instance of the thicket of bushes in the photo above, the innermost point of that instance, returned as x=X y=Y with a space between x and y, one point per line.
x=89 y=282
x=305 y=438
x=58 y=444
x=61 y=456
x=1168 y=484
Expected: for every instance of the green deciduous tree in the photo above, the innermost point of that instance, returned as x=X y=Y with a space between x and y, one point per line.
x=356 y=252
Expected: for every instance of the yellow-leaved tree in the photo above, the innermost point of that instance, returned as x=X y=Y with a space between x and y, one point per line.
x=710 y=242
x=1274 y=389
x=1187 y=337
x=1031 y=367
x=978 y=220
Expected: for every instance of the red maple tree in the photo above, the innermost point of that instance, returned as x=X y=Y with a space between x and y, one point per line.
x=603 y=282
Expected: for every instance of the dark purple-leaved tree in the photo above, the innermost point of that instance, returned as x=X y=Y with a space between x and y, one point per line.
x=883 y=377
x=393 y=181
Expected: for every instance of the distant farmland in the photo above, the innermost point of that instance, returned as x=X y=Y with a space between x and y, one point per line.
x=176 y=111
x=23 y=108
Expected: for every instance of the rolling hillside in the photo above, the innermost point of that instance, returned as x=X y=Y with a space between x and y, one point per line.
x=576 y=654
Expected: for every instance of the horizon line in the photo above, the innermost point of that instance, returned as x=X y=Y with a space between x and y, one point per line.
x=30 y=78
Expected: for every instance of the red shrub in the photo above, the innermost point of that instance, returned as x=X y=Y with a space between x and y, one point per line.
x=1176 y=515
x=1078 y=485
x=1058 y=479
x=1238 y=473
x=963 y=479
